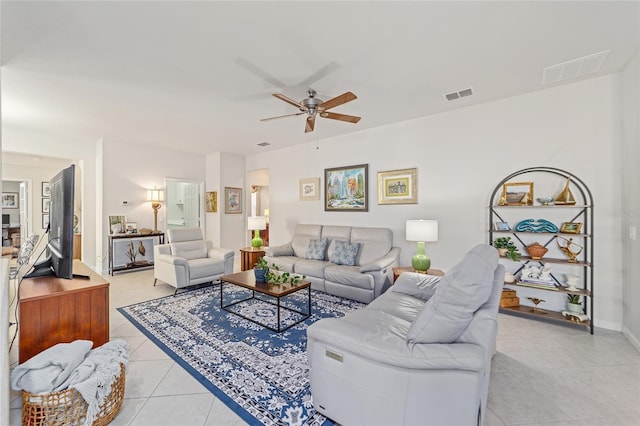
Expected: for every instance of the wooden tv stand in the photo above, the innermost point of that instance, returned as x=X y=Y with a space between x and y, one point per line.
x=54 y=310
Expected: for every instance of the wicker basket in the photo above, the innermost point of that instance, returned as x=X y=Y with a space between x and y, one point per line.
x=67 y=407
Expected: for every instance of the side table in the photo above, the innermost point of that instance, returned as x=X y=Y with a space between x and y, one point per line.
x=249 y=256
x=400 y=269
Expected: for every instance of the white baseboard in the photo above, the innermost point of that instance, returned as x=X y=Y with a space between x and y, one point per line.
x=635 y=341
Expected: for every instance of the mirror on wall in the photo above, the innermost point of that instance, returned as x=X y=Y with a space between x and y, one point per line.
x=184 y=203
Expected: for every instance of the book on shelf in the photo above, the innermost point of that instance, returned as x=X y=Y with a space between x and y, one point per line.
x=539 y=284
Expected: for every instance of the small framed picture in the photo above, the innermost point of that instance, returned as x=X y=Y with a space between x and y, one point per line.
x=232 y=200
x=309 y=189
x=398 y=187
x=212 y=202
x=45 y=221
x=45 y=189
x=571 y=227
x=117 y=224
x=517 y=194
x=9 y=200
x=131 y=228
x=502 y=226
x=45 y=205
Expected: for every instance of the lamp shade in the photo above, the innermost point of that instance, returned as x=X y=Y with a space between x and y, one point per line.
x=422 y=230
x=155 y=195
x=256 y=223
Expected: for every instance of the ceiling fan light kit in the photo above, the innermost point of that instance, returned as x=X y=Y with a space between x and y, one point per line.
x=312 y=107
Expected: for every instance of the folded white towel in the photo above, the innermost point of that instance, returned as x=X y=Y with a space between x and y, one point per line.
x=48 y=371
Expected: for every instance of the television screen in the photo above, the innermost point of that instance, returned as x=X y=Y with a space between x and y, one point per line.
x=59 y=261
x=6 y=220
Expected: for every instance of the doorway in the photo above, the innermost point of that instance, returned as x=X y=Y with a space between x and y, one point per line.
x=184 y=203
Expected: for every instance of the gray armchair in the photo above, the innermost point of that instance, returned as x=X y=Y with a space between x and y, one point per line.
x=420 y=354
x=187 y=259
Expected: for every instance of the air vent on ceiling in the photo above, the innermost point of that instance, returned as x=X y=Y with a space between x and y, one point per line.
x=264 y=144
x=457 y=95
x=574 y=68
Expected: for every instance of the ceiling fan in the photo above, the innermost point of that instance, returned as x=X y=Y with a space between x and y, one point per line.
x=313 y=107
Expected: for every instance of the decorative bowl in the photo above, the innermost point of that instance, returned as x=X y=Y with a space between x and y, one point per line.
x=545 y=201
x=536 y=251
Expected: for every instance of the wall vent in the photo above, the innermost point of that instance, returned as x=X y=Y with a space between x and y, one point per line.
x=263 y=144
x=459 y=94
x=574 y=68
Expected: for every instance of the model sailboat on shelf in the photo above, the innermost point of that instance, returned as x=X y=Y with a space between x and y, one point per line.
x=565 y=196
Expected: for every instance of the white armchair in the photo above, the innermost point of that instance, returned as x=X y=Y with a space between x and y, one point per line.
x=187 y=259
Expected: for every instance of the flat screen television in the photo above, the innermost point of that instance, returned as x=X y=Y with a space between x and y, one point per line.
x=59 y=260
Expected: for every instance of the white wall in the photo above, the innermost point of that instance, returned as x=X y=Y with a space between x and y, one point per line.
x=85 y=153
x=461 y=155
x=631 y=198
x=129 y=170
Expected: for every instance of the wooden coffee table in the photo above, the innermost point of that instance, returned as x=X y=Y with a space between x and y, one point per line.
x=247 y=279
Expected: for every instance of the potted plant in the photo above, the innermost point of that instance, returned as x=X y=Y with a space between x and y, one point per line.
x=574 y=304
x=260 y=270
x=507 y=248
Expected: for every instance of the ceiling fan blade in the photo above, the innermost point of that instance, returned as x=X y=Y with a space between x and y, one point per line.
x=290 y=101
x=322 y=72
x=341 y=117
x=281 y=116
x=311 y=121
x=338 y=100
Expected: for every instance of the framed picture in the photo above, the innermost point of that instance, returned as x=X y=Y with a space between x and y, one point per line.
x=117 y=224
x=398 y=187
x=212 y=202
x=517 y=194
x=502 y=226
x=45 y=189
x=45 y=205
x=309 y=189
x=346 y=189
x=232 y=200
x=571 y=227
x=131 y=228
x=45 y=221
x=9 y=200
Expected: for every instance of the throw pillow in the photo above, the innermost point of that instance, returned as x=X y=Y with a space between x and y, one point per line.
x=463 y=289
x=316 y=249
x=345 y=253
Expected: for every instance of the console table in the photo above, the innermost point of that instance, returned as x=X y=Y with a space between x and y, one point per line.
x=119 y=247
x=55 y=310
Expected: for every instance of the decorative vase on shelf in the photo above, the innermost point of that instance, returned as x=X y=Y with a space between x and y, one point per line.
x=536 y=251
x=576 y=308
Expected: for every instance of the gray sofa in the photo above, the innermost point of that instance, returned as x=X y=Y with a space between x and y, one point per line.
x=329 y=270
x=420 y=354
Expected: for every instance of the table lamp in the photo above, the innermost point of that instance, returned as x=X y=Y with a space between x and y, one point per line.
x=156 y=196
x=421 y=231
x=256 y=224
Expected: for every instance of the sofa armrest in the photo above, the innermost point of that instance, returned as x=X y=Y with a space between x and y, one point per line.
x=383 y=262
x=422 y=286
x=283 y=250
x=171 y=259
x=220 y=253
x=376 y=336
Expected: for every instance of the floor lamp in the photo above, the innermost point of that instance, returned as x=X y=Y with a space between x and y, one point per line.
x=156 y=196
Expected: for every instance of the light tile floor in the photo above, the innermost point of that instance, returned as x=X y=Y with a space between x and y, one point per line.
x=543 y=374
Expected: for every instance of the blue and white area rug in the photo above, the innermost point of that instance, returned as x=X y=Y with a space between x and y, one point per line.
x=261 y=375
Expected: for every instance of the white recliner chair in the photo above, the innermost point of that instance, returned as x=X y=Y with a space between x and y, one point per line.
x=187 y=259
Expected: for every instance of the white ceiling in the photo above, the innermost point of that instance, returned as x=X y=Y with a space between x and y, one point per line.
x=198 y=76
